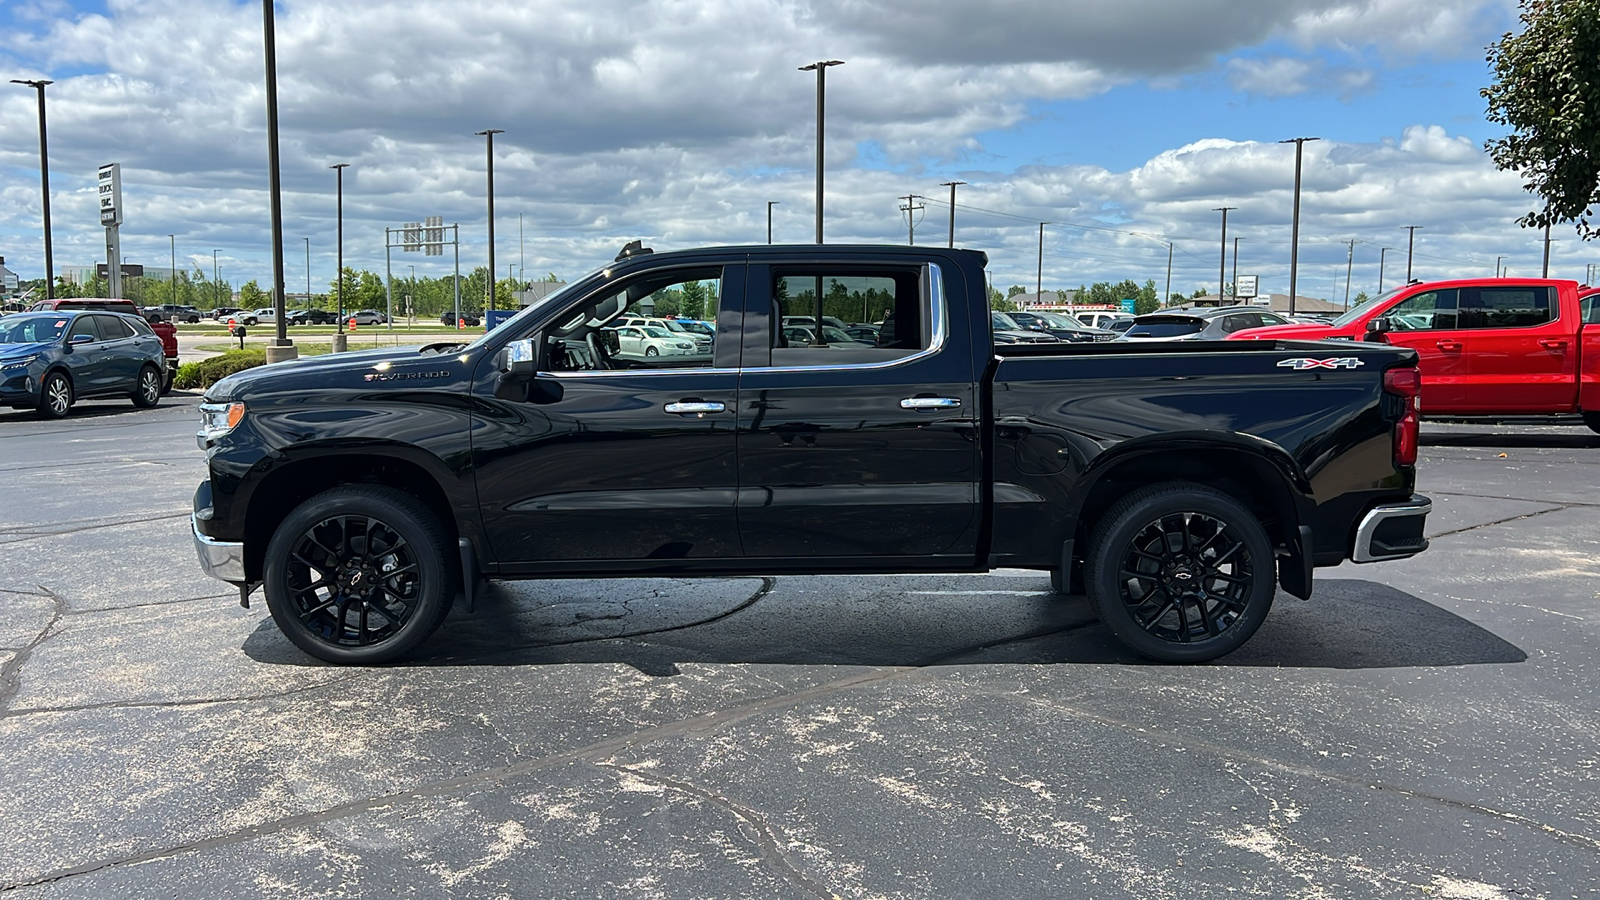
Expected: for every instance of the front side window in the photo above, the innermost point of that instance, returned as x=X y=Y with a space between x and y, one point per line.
x=618 y=328
x=1427 y=311
x=1506 y=307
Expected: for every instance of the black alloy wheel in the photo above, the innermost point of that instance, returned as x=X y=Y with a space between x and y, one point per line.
x=1181 y=572
x=359 y=575
x=147 y=392
x=55 y=396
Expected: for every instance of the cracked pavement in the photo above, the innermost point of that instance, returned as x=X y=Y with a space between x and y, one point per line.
x=1420 y=728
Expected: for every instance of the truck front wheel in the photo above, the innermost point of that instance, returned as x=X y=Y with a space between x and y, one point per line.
x=359 y=575
x=1180 y=572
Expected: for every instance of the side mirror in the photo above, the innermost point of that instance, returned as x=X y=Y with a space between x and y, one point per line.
x=519 y=359
x=81 y=339
x=1377 y=330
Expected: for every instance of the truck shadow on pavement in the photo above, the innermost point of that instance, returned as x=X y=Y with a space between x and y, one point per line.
x=1348 y=624
x=1577 y=440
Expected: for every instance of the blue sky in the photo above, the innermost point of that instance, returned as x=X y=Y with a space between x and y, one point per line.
x=676 y=124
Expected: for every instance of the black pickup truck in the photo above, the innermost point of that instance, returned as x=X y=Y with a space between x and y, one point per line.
x=1177 y=484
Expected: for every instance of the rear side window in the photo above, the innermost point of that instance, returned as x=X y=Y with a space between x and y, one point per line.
x=1590 y=307
x=1507 y=307
x=891 y=298
x=1168 y=328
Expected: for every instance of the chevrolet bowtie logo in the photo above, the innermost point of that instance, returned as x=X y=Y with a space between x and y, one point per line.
x=1300 y=363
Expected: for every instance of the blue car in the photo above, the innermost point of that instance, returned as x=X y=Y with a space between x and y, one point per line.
x=50 y=360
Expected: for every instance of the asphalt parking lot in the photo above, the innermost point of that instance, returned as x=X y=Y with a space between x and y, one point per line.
x=1425 y=728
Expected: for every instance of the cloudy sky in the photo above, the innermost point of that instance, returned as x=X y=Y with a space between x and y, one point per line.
x=1123 y=124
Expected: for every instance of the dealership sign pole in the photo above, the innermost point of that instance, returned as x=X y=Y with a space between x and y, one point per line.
x=110 y=192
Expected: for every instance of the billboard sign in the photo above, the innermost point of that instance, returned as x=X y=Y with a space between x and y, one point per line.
x=1248 y=286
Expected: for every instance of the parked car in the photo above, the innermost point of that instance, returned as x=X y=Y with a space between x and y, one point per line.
x=1007 y=331
x=467 y=320
x=266 y=315
x=803 y=335
x=648 y=340
x=310 y=317
x=223 y=313
x=1060 y=326
x=807 y=321
x=173 y=312
x=364 y=492
x=1488 y=346
x=866 y=334
x=1119 y=325
x=168 y=333
x=1098 y=318
x=103 y=304
x=367 y=317
x=703 y=342
x=1201 y=323
x=700 y=327
x=51 y=360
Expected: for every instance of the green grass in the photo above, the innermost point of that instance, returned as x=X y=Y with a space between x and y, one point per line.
x=312 y=349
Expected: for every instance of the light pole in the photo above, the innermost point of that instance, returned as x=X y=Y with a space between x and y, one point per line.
x=215 y=285
x=1222 y=262
x=821 y=68
x=952 y=186
x=1236 y=267
x=44 y=187
x=339 y=338
x=1038 y=284
x=1546 y=273
x=1294 y=238
x=282 y=348
x=1497 y=265
x=1411 y=242
x=489 y=134
x=1381 y=255
x=172 y=273
x=770 y=205
x=308 y=275
x=1349 y=265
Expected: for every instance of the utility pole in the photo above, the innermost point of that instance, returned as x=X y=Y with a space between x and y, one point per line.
x=821 y=68
x=1497 y=265
x=952 y=186
x=1411 y=242
x=1294 y=239
x=1168 y=298
x=1038 y=289
x=910 y=209
x=1349 y=264
x=1236 y=267
x=44 y=188
x=1222 y=264
x=1381 y=256
x=770 y=205
x=488 y=134
x=172 y=279
x=1546 y=251
x=281 y=348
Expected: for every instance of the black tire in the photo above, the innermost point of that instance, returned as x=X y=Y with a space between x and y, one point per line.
x=147 y=390
x=651 y=351
x=326 y=581
x=166 y=383
x=1592 y=419
x=55 y=396
x=1180 y=572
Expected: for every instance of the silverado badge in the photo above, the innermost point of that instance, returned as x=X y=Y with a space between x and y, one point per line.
x=1301 y=362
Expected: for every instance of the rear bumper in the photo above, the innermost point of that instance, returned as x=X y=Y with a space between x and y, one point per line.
x=1392 y=531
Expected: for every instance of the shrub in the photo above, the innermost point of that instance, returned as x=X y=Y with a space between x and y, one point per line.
x=206 y=372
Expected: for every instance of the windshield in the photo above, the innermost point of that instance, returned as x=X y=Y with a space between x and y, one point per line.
x=699 y=328
x=1058 y=321
x=1361 y=309
x=655 y=332
x=32 y=329
x=576 y=287
x=1002 y=322
x=1170 y=328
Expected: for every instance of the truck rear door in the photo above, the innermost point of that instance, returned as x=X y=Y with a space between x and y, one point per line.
x=1589 y=358
x=1517 y=352
x=855 y=451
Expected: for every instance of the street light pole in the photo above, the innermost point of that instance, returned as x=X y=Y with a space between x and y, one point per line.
x=770 y=205
x=172 y=273
x=215 y=286
x=308 y=275
x=1349 y=265
x=282 y=348
x=821 y=68
x=1236 y=267
x=1381 y=255
x=339 y=338
x=1038 y=285
x=1411 y=243
x=489 y=133
x=1294 y=238
x=1222 y=262
x=1497 y=265
x=44 y=187
x=952 y=186
x=1546 y=251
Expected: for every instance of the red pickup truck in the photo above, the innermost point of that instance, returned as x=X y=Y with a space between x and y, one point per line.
x=1488 y=347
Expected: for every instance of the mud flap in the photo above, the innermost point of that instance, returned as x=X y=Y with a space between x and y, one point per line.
x=1294 y=568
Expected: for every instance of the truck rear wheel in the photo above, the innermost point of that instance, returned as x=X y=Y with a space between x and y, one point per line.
x=359 y=575
x=1180 y=572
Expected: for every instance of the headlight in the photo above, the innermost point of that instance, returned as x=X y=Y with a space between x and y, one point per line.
x=217 y=419
x=684 y=346
x=18 y=362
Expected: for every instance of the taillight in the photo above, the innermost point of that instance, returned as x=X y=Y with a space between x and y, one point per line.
x=1407 y=384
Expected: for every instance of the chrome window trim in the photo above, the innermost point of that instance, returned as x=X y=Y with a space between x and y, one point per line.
x=612 y=373
x=940 y=333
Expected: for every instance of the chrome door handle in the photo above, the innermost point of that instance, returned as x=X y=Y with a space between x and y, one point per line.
x=695 y=406
x=929 y=403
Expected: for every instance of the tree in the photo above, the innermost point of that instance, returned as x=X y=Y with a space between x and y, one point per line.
x=1147 y=300
x=251 y=296
x=1014 y=290
x=1547 y=90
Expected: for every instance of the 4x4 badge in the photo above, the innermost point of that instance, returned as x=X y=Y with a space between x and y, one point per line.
x=1302 y=362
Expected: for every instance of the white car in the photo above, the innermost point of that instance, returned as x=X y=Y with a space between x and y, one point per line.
x=648 y=340
x=266 y=315
x=702 y=343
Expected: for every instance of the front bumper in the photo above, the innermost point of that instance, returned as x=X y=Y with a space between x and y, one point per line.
x=219 y=559
x=1392 y=531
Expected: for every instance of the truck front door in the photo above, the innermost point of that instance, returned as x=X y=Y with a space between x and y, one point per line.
x=1518 y=354
x=614 y=456
x=855 y=451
